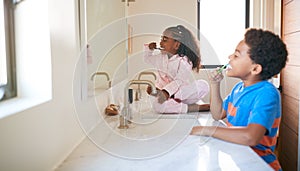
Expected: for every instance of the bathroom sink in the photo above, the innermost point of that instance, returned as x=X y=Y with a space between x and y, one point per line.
x=146 y=123
x=148 y=136
x=154 y=127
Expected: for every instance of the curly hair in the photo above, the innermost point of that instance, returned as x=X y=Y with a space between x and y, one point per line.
x=188 y=45
x=266 y=49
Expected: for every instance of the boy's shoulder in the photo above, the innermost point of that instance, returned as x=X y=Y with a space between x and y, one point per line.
x=262 y=86
x=267 y=84
x=267 y=89
x=262 y=83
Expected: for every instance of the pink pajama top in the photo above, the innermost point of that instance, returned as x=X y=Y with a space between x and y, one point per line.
x=173 y=72
x=175 y=75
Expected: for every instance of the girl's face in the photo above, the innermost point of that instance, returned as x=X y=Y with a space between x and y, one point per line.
x=168 y=44
x=240 y=62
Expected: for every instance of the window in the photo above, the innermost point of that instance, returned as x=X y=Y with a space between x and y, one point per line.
x=3 y=68
x=223 y=27
x=7 y=57
x=25 y=24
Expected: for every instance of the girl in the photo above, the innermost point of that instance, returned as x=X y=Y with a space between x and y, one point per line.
x=179 y=55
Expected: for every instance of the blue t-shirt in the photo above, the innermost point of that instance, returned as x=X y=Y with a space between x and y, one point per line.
x=257 y=104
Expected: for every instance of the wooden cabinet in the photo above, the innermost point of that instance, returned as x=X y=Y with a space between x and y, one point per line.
x=290 y=81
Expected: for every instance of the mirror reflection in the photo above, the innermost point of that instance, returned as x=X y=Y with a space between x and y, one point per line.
x=116 y=32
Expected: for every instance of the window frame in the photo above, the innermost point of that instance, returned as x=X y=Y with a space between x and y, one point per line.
x=9 y=28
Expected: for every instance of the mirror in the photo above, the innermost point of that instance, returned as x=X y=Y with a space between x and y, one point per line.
x=103 y=29
x=116 y=32
x=125 y=27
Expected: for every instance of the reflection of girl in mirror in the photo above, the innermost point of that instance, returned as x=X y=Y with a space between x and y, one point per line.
x=178 y=91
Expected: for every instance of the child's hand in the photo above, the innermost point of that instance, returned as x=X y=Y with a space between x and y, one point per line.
x=149 y=90
x=215 y=76
x=203 y=130
x=152 y=45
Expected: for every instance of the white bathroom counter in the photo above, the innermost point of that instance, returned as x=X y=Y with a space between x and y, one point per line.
x=193 y=153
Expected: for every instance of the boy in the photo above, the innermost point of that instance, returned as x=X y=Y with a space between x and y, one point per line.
x=253 y=108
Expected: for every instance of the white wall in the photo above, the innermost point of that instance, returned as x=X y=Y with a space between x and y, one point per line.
x=102 y=16
x=39 y=138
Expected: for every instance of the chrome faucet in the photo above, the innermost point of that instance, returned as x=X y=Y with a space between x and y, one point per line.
x=102 y=73
x=125 y=115
x=138 y=93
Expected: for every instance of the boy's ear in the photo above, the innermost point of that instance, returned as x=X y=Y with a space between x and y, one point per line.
x=257 y=69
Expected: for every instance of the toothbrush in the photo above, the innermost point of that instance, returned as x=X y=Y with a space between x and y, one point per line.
x=222 y=68
x=158 y=48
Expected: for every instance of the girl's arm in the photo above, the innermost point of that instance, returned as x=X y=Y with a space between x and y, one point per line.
x=150 y=58
x=183 y=72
